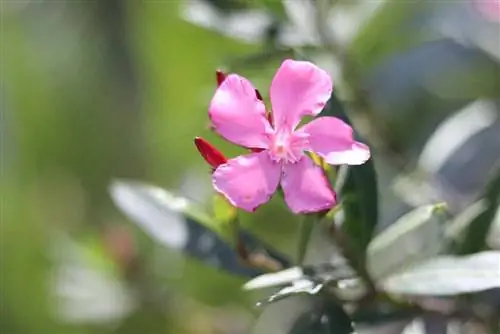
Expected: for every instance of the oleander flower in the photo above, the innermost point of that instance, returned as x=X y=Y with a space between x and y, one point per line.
x=298 y=89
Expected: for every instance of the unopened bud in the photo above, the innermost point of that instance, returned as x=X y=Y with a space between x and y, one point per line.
x=221 y=76
x=257 y=93
x=211 y=155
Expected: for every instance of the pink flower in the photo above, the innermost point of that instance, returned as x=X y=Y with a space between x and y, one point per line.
x=489 y=8
x=298 y=89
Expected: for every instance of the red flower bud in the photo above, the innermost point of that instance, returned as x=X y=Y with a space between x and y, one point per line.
x=257 y=93
x=211 y=155
x=221 y=76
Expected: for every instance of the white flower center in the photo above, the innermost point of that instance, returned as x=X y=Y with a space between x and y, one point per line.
x=287 y=147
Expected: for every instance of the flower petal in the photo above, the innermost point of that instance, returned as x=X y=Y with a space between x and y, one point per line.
x=332 y=139
x=306 y=187
x=299 y=88
x=248 y=181
x=238 y=115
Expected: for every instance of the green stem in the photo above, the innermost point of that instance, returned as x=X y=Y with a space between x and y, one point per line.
x=306 y=228
x=356 y=261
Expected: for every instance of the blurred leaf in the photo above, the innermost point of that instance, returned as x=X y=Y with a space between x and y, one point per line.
x=88 y=288
x=384 y=33
x=286 y=276
x=435 y=324
x=494 y=235
x=276 y=7
x=302 y=286
x=456 y=227
x=382 y=313
x=327 y=318
x=223 y=210
x=413 y=237
x=448 y=275
x=476 y=234
x=359 y=192
x=179 y=224
x=393 y=327
x=322 y=272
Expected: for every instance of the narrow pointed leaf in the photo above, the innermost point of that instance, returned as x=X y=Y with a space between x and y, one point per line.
x=494 y=235
x=414 y=237
x=359 y=192
x=179 y=224
x=476 y=234
x=447 y=275
x=303 y=286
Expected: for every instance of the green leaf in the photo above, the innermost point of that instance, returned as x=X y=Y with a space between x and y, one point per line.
x=326 y=318
x=413 y=237
x=477 y=232
x=382 y=34
x=448 y=275
x=274 y=6
x=181 y=225
x=224 y=212
x=493 y=239
x=359 y=192
x=298 y=287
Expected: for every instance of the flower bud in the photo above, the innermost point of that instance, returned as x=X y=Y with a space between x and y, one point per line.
x=211 y=155
x=257 y=93
x=221 y=76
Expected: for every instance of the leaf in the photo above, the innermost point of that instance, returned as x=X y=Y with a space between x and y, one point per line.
x=359 y=192
x=179 y=224
x=493 y=239
x=477 y=232
x=323 y=272
x=302 y=286
x=394 y=327
x=286 y=276
x=223 y=210
x=326 y=318
x=413 y=237
x=382 y=313
x=448 y=275
x=276 y=7
x=456 y=227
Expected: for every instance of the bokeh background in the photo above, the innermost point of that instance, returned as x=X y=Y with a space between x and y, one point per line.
x=97 y=90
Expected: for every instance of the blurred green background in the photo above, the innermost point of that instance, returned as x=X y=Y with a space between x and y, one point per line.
x=97 y=90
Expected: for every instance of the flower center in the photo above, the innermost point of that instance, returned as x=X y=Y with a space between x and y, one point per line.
x=287 y=146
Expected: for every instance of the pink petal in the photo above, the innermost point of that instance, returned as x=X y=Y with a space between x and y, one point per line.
x=332 y=139
x=238 y=115
x=248 y=181
x=306 y=187
x=299 y=88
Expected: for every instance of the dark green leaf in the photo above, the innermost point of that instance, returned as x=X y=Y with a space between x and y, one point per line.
x=359 y=193
x=477 y=232
x=327 y=317
x=179 y=224
x=384 y=313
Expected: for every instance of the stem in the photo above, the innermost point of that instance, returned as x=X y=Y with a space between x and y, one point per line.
x=341 y=178
x=306 y=228
x=355 y=260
